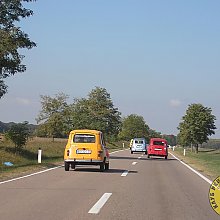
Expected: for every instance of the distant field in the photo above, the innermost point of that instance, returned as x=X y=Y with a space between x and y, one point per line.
x=26 y=162
x=207 y=161
x=212 y=143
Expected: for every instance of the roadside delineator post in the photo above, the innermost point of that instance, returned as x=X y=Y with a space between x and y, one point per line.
x=123 y=145
x=184 y=152
x=39 y=155
x=173 y=148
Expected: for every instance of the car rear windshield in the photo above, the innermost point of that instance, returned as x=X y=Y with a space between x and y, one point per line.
x=84 y=138
x=160 y=143
x=139 y=142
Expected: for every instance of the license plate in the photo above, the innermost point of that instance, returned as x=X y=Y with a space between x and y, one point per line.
x=158 y=149
x=83 y=151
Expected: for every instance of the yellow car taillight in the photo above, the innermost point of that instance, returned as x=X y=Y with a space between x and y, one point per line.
x=100 y=153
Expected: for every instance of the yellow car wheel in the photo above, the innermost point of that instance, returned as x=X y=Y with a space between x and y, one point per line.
x=67 y=166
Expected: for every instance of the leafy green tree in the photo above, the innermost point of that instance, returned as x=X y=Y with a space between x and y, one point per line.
x=134 y=126
x=18 y=134
x=196 y=125
x=97 y=112
x=12 y=39
x=183 y=137
x=105 y=116
x=80 y=114
x=53 y=115
x=154 y=134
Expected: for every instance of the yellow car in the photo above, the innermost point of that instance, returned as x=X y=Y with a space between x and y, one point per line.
x=86 y=147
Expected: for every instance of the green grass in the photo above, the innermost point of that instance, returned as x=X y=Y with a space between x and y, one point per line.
x=207 y=161
x=26 y=162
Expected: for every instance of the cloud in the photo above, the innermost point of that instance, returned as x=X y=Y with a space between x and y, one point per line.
x=23 y=101
x=175 y=103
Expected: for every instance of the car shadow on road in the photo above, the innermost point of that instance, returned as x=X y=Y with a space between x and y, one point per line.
x=97 y=170
x=120 y=171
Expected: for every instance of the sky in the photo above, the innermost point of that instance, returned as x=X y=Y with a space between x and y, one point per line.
x=154 y=58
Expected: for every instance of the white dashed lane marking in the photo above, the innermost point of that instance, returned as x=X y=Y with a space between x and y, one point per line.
x=125 y=173
x=134 y=163
x=101 y=202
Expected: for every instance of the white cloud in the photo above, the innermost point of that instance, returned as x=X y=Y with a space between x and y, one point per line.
x=175 y=103
x=23 y=101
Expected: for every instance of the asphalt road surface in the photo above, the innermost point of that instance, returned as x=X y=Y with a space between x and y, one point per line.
x=135 y=187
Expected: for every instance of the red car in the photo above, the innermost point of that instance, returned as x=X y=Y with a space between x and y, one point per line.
x=158 y=147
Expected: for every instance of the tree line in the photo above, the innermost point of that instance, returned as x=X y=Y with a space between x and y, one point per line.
x=57 y=118
x=97 y=111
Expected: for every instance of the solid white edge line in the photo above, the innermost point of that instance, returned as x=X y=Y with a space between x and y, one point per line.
x=125 y=173
x=196 y=172
x=134 y=163
x=43 y=171
x=100 y=203
x=22 y=177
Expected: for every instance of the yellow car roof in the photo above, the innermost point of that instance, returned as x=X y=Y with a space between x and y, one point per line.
x=85 y=131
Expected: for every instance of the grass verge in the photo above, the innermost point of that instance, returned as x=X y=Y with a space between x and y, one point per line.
x=207 y=161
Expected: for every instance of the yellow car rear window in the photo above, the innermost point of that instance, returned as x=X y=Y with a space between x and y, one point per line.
x=84 y=138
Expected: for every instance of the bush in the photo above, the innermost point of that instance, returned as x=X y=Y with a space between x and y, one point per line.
x=18 y=134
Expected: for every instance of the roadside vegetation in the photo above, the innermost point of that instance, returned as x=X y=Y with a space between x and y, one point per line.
x=206 y=161
x=26 y=162
x=196 y=126
x=13 y=39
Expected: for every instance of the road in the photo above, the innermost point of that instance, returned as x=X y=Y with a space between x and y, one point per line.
x=135 y=187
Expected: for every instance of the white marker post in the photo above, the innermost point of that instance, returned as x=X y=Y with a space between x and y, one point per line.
x=173 y=148
x=184 y=152
x=123 y=145
x=39 y=155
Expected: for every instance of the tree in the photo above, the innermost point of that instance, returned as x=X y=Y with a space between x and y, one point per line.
x=196 y=125
x=12 y=39
x=134 y=126
x=105 y=116
x=81 y=116
x=97 y=112
x=53 y=115
x=18 y=134
x=154 y=134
